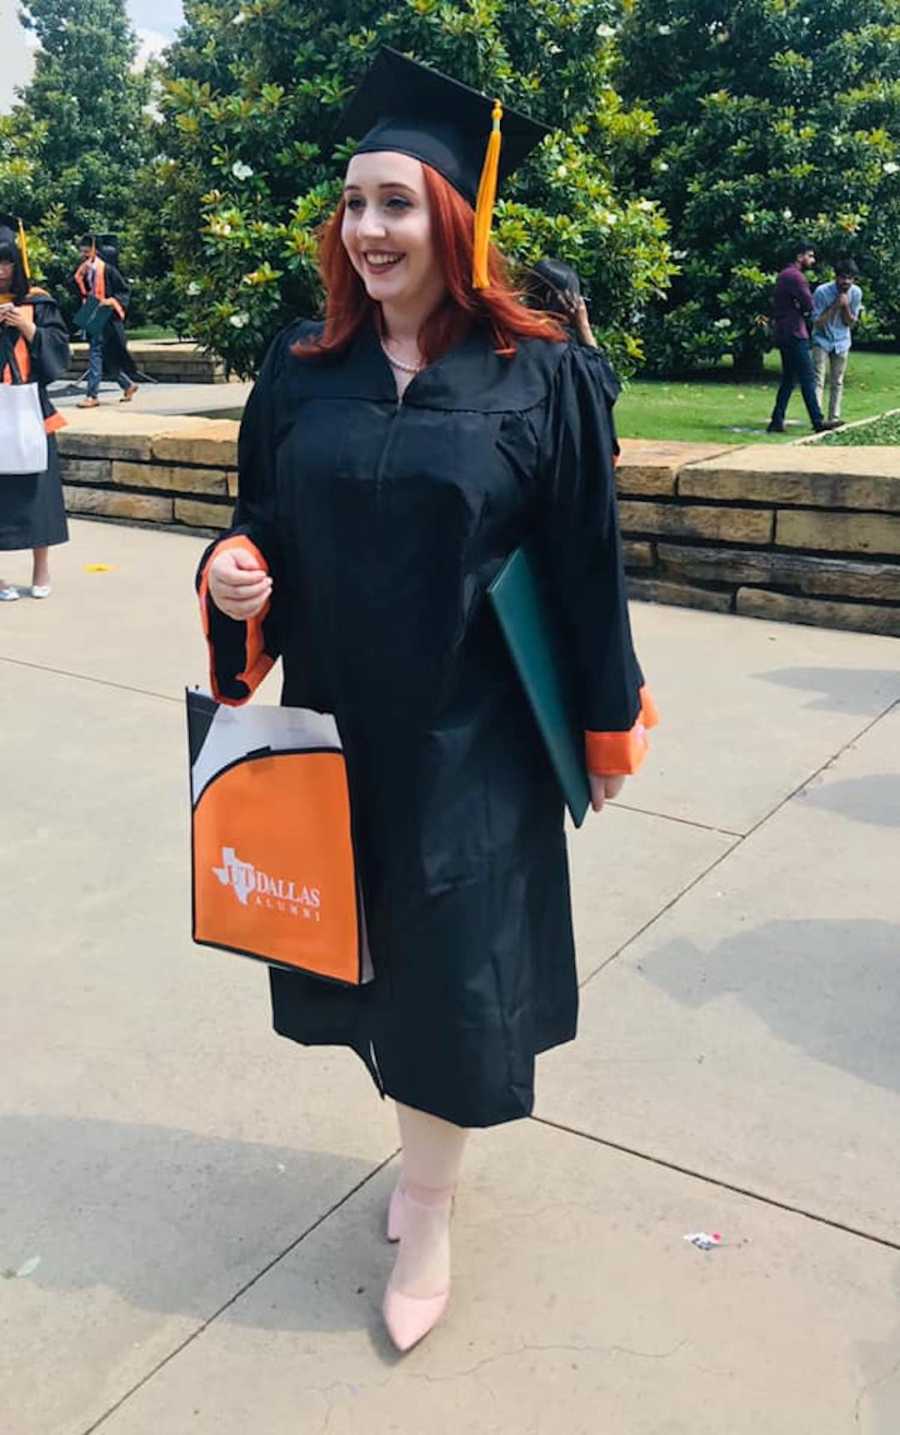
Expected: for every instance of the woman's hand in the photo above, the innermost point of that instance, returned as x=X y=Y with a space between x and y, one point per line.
x=239 y=587
x=577 y=315
x=604 y=789
x=16 y=318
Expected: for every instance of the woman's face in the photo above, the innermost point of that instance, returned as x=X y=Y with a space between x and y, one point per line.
x=6 y=275
x=387 y=229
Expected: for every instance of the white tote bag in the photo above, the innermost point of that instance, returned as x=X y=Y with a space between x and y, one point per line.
x=23 y=438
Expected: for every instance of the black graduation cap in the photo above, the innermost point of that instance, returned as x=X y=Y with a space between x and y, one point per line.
x=407 y=108
x=12 y=231
x=104 y=242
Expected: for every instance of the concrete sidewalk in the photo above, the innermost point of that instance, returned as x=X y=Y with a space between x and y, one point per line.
x=195 y=1208
x=209 y=400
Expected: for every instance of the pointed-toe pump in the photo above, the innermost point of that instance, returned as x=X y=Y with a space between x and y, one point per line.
x=409 y=1318
x=409 y=1315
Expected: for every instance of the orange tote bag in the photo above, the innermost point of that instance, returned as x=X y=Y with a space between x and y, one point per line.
x=274 y=875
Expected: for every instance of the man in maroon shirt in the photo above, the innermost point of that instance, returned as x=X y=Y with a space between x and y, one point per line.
x=792 y=305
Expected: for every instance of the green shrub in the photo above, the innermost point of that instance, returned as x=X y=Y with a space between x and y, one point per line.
x=777 y=119
x=247 y=168
x=72 y=147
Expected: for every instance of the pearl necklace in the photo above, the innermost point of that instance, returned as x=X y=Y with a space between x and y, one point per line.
x=398 y=363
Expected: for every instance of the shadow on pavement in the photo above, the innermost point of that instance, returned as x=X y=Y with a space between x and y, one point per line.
x=177 y=1222
x=874 y=799
x=840 y=689
x=830 y=988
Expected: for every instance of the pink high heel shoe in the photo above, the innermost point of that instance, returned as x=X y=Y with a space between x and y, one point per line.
x=408 y=1317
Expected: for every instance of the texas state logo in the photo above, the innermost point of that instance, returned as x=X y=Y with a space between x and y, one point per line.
x=255 y=888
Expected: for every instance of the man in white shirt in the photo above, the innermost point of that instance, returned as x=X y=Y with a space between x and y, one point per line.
x=836 y=310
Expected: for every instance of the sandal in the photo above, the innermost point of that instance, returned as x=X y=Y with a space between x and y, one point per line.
x=9 y=594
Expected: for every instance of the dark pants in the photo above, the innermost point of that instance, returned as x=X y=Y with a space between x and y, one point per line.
x=797 y=369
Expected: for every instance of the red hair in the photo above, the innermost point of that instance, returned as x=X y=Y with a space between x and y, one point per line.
x=499 y=307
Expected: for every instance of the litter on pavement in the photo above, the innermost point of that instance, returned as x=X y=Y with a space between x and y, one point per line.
x=703 y=1241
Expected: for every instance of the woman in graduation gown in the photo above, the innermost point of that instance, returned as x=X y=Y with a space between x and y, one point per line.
x=391 y=459
x=34 y=340
x=554 y=287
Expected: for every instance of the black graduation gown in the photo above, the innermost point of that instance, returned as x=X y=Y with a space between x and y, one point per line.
x=383 y=525
x=116 y=357
x=32 y=509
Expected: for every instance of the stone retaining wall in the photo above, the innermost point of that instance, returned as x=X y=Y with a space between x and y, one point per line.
x=168 y=363
x=149 y=469
x=802 y=534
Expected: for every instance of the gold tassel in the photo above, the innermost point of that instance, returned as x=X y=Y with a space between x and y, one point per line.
x=487 y=195
x=23 y=249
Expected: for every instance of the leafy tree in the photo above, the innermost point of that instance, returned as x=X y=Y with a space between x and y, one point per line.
x=249 y=169
x=777 y=119
x=71 y=149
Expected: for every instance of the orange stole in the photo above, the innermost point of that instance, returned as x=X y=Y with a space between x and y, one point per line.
x=23 y=359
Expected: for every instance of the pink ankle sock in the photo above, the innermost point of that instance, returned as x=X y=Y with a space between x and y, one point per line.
x=422 y=1268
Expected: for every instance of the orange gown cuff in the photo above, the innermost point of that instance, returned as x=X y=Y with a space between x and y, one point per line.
x=619 y=754
x=257 y=661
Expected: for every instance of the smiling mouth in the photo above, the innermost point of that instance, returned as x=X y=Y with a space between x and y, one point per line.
x=380 y=262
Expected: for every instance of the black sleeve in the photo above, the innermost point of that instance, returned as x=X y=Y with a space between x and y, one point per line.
x=583 y=551
x=118 y=288
x=608 y=386
x=242 y=653
x=50 y=345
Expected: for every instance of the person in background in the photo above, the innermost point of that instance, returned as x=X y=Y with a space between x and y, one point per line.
x=836 y=310
x=34 y=347
x=555 y=288
x=792 y=306
x=97 y=278
x=116 y=354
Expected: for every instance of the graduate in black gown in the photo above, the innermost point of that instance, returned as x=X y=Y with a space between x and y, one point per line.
x=555 y=288
x=391 y=459
x=99 y=277
x=118 y=363
x=34 y=341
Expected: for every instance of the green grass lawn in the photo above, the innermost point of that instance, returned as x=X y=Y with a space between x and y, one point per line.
x=152 y=331
x=879 y=432
x=719 y=410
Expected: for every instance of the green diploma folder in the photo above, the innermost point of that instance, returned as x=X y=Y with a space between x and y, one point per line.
x=92 y=318
x=538 y=652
